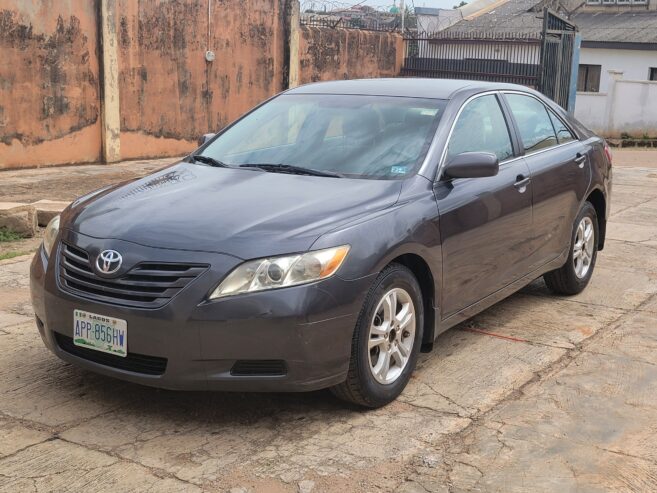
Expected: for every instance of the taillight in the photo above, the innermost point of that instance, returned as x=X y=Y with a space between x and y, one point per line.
x=608 y=153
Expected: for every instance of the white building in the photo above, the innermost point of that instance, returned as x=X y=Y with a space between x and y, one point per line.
x=617 y=79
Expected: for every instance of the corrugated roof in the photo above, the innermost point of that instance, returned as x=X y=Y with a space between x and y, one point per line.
x=525 y=17
x=427 y=11
x=514 y=16
x=618 y=27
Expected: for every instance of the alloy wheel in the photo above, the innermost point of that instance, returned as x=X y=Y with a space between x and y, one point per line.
x=392 y=334
x=584 y=247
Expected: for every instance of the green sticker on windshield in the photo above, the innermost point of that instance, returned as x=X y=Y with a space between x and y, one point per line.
x=398 y=170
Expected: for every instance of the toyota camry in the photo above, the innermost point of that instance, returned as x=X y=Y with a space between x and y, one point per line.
x=325 y=238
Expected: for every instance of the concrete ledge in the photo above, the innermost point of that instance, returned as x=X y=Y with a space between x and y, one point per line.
x=19 y=218
x=47 y=209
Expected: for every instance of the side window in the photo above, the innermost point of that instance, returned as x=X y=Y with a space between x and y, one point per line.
x=588 y=78
x=563 y=134
x=481 y=127
x=534 y=123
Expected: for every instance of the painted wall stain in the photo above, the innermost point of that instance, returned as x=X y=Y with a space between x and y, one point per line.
x=169 y=91
x=169 y=94
x=48 y=80
x=330 y=54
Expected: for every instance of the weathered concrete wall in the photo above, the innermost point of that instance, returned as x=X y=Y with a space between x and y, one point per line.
x=49 y=93
x=330 y=54
x=628 y=107
x=169 y=94
x=55 y=57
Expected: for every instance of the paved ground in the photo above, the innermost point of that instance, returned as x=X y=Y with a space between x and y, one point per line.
x=536 y=394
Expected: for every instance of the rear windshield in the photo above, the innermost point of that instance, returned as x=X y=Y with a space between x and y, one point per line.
x=356 y=136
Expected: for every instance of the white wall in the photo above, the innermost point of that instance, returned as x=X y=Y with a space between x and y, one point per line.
x=629 y=107
x=635 y=109
x=633 y=63
x=627 y=101
x=590 y=109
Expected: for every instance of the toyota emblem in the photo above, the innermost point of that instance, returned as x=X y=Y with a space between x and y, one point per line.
x=109 y=261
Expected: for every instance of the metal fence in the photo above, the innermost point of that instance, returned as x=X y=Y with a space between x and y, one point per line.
x=501 y=57
x=558 y=43
x=541 y=59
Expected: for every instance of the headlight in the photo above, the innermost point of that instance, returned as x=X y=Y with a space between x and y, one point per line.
x=50 y=235
x=279 y=272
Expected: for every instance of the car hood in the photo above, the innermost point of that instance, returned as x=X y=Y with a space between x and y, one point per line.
x=244 y=213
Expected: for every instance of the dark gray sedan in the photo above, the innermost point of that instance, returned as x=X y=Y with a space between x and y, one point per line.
x=325 y=239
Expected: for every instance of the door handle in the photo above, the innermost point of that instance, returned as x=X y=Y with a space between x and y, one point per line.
x=521 y=183
x=580 y=158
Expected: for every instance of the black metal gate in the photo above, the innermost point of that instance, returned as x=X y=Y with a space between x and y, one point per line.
x=541 y=60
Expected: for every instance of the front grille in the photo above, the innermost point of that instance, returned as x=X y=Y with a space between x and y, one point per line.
x=138 y=363
x=147 y=285
x=258 y=367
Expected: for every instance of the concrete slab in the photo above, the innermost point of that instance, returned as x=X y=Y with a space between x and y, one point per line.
x=617 y=230
x=61 y=466
x=538 y=393
x=643 y=213
x=19 y=218
x=549 y=320
x=16 y=437
x=445 y=380
x=613 y=288
x=47 y=209
x=587 y=427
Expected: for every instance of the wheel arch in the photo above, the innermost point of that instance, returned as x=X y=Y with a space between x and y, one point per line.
x=422 y=272
x=597 y=199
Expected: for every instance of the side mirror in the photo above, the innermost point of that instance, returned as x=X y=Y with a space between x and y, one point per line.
x=472 y=165
x=204 y=138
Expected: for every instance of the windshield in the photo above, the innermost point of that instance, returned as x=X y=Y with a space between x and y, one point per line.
x=354 y=136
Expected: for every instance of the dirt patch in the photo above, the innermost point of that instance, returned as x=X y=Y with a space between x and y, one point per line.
x=9 y=249
x=68 y=183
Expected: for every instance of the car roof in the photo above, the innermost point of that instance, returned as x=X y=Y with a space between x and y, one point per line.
x=403 y=87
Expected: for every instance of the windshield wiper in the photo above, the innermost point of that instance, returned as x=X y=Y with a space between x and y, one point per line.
x=288 y=168
x=209 y=160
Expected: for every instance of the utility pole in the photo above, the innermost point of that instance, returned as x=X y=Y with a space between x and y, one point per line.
x=403 y=12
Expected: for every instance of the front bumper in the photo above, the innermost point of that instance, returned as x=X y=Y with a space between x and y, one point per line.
x=309 y=328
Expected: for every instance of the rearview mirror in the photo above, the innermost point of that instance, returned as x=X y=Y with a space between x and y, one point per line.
x=204 y=138
x=472 y=165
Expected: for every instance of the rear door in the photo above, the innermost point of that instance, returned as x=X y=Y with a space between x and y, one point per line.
x=558 y=163
x=485 y=223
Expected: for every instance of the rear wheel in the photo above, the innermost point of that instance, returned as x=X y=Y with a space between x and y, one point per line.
x=386 y=340
x=576 y=273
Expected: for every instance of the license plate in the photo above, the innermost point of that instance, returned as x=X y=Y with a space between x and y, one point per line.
x=101 y=333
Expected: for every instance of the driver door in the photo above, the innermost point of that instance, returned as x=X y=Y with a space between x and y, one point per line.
x=485 y=223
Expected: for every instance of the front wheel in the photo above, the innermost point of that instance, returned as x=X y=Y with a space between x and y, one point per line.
x=576 y=273
x=386 y=340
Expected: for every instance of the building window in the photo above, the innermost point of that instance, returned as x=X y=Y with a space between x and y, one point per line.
x=652 y=74
x=593 y=2
x=588 y=78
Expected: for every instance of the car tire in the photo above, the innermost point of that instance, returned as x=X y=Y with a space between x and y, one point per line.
x=365 y=386
x=573 y=277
